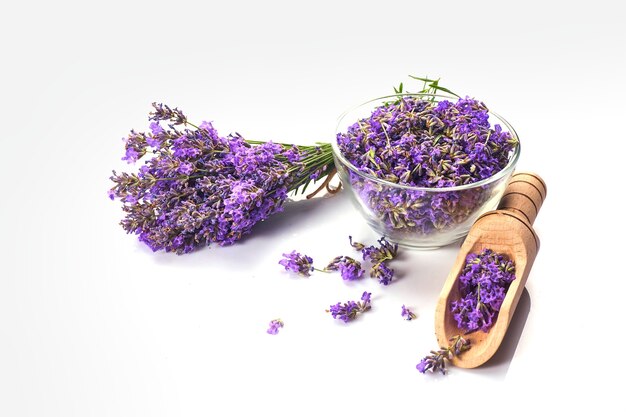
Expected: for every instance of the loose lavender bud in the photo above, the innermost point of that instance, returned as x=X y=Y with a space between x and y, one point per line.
x=382 y=272
x=436 y=361
x=298 y=263
x=385 y=252
x=483 y=283
x=407 y=314
x=356 y=245
x=275 y=325
x=349 y=268
x=348 y=311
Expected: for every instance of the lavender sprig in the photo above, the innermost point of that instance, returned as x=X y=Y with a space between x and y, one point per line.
x=436 y=361
x=348 y=311
x=349 y=268
x=298 y=263
x=407 y=314
x=378 y=256
x=275 y=326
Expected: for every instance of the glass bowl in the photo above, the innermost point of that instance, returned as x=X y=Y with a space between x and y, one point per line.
x=419 y=217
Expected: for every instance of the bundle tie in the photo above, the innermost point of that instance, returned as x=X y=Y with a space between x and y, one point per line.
x=326 y=185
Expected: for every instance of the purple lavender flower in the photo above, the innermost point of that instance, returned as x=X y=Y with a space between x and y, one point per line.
x=349 y=268
x=298 y=263
x=275 y=325
x=382 y=272
x=385 y=252
x=348 y=311
x=131 y=156
x=156 y=128
x=407 y=314
x=378 y=256
x=356 y=245
x=436 y=361
x=199 y=187
x=483 y=283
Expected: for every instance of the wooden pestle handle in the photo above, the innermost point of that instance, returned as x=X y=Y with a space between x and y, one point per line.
x=524 y=194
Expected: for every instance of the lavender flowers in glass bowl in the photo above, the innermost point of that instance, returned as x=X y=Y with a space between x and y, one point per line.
x=421 y=168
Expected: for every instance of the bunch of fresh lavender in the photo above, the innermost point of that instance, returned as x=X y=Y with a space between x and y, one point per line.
x=196 y=187
x=483 y=283
x=436 y=361
x=418 y=141
x=348 y=311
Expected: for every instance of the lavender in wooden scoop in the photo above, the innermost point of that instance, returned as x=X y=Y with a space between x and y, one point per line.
x=500 y=243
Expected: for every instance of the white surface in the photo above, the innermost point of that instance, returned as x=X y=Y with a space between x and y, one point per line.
x=94 y=324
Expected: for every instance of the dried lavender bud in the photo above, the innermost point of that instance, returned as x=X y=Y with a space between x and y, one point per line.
x=298 y=263
x=198 y=187
x=275 y=325
x=436 y=360
x=165 y=113
x=382 y=272
x=349 y=310
x=483 y=283
x=349 y=268
x=356 y=245
x=407 y=314
x=378 y=256
x=385 y=252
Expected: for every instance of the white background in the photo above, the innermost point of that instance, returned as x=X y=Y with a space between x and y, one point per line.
x=94 y=324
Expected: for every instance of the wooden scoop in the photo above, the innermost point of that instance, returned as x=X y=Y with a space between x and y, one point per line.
x=508 y=231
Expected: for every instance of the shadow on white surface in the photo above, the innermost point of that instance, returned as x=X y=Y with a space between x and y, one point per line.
x=498 y=365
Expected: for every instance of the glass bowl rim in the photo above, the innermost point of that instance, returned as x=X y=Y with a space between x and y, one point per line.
x=498 y=175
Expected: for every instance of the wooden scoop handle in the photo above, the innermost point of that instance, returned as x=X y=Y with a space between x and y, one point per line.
x=524 y=195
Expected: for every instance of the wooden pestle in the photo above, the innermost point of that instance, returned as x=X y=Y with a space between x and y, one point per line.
x=507 y=230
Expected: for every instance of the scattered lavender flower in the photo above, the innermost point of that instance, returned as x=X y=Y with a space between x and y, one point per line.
x=275 y=325
x=296 y=262
x=483 y=283
x=436 y=360
x=419 y=142
x=198 y=187
x=385 y=252
x=382 y=272
x=378 y=256
x=356 y=245
x=349 y=310
x=349 y=268
x=407 y=314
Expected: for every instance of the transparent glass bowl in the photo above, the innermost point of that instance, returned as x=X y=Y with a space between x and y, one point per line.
x=418 y=217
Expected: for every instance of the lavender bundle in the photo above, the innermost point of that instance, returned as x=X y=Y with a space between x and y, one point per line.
x=196 y=187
